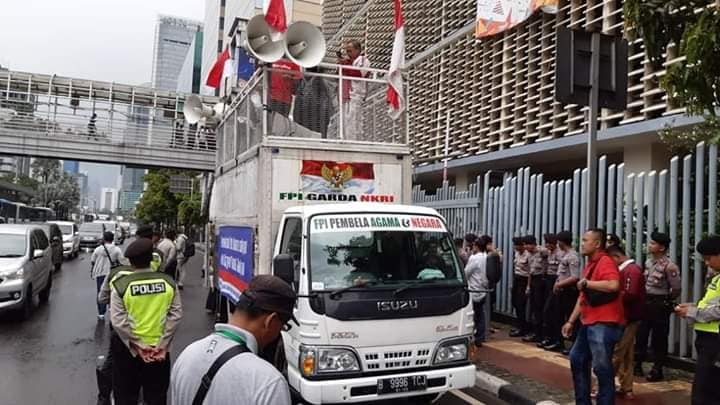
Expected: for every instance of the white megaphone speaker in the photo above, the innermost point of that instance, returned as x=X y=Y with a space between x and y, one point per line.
x=304 y=44
x=258 y=41
x=195 y=111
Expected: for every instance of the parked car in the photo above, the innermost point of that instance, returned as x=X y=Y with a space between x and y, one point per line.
x=91 y=234
x=25 y=268
x=70 y=238
x=112 y=226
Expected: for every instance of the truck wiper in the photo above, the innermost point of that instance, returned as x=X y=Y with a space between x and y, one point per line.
x=339 y=291
x=414 y=284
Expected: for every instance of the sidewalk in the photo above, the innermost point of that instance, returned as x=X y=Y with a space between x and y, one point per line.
x=538 y=375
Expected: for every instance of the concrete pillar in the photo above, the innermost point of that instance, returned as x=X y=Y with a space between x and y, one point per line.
x=646 y=158
x=462 y=181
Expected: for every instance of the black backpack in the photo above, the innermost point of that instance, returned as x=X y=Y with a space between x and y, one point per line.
x=189 y=250
x=493 y=269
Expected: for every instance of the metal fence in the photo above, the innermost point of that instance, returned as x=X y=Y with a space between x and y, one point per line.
x=681 y=201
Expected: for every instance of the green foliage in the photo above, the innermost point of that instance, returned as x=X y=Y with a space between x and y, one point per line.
x=161 y=207
x=693 y=26
x=55 y=188
x=681 y=142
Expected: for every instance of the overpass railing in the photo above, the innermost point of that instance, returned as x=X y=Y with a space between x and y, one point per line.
x=56 y=107
x=330 y=102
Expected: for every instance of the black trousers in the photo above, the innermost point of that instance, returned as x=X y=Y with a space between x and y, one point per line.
x=558 y=309
x=655 y=328
x=538 y=297
x=519 y=301
x=706 y=386
x=130 y=374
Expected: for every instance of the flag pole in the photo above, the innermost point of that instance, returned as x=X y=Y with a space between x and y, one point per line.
x=447 y=145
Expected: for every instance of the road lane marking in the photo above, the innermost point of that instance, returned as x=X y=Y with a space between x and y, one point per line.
x=467 y=398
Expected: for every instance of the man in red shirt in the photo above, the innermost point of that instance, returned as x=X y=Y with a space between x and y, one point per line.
x=600 y=310
x=283 y=80
x=632 y=287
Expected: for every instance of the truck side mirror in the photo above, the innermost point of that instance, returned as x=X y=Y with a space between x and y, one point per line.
x=284 y=267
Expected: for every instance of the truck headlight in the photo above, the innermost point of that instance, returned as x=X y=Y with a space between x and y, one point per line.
x=323 y=360
x=452 y=351
x=14 y=274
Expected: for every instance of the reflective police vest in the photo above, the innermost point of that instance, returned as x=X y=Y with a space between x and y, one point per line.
x=147 y=297
x=711 y=293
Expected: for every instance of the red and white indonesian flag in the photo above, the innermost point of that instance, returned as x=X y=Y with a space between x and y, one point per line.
x=337 y=177
x=395 y=97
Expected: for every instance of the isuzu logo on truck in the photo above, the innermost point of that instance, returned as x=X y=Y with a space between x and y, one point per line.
x=397 y=305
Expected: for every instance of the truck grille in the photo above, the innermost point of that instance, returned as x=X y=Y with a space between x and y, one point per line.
x=396 y=359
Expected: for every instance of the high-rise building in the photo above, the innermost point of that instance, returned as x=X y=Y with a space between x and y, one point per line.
x=131 y=188
x=17 y=165
x=189 y=79
x=108 y=199
x=173 y=39
x=82 y=179
x=71 y=166
x=7 y=166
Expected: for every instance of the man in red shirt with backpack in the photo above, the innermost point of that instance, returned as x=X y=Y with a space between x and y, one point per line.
x=600 y=310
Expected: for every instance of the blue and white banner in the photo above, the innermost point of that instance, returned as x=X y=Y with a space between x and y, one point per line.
x=235 y=260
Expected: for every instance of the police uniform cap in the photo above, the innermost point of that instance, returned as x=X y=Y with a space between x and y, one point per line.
x=660 y=238
x=709 y=246
x=272 y=294
x=140 y=248
x=530 y=240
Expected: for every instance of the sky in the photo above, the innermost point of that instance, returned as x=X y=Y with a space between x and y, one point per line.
x=109 y=40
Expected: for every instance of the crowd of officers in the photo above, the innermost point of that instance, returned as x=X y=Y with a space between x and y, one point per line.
x=545 y=292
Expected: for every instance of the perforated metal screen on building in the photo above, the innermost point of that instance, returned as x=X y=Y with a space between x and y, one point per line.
x=499 y=91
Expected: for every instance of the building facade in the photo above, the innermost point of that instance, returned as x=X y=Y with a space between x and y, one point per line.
x=173 y=40
x=71 y=166
x=496 y=95
x=131 y=188
x=108 y=199
x=189 y=78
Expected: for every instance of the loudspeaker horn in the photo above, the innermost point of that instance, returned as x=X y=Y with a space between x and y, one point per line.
x=195 y=110
x=258 y=40
x=304 y=44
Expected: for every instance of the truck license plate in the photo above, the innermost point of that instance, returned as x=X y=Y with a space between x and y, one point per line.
x=401 y=384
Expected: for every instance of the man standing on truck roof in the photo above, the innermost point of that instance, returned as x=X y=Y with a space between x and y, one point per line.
x=224 y=368
x=354 y=91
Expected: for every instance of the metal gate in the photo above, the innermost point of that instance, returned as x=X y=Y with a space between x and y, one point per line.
x=681 y=201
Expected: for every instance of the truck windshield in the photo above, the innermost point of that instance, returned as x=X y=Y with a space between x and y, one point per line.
x=382 y=259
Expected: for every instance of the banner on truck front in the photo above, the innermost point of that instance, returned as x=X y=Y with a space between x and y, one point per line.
x=496 y=16
x=234 y=260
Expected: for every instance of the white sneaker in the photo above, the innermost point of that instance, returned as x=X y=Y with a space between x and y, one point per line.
x=101 y=317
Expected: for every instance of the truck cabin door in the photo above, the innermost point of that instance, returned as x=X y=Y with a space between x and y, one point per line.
x=291 y=243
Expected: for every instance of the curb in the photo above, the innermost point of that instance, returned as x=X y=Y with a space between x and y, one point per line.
x=505 y=391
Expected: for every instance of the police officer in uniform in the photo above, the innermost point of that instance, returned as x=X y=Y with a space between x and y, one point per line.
x=145 y=311
x=663 y=287
x=705 y=316
x=537 y=262
x=520 y=287
x=553 y=255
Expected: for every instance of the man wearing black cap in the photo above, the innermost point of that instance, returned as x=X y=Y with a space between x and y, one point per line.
x=537 y=263
x=662 y=284
x=520 y=287
x=145 y=311
x=706 y=316
x=224 y=368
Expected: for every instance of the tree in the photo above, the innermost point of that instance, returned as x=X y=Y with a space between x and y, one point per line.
x=157 y=205
x=689 y=28
x=55 y=189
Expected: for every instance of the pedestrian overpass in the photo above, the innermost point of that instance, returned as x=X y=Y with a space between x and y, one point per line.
x=66 y=118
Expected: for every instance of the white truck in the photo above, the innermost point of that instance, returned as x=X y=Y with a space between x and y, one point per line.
x=383 y=307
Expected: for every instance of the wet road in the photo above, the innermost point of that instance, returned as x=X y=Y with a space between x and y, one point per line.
x=50 y=358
